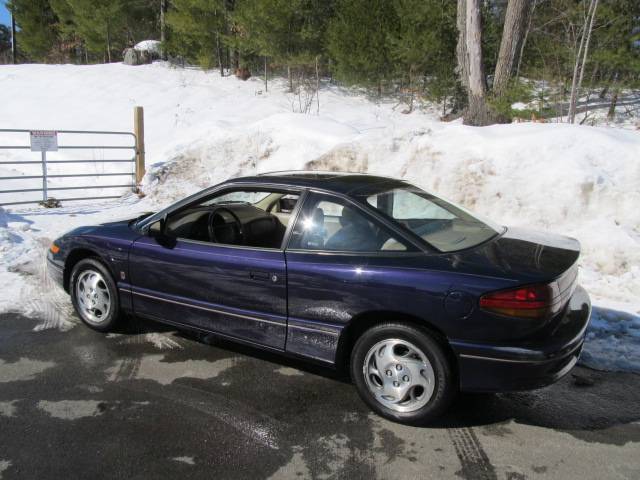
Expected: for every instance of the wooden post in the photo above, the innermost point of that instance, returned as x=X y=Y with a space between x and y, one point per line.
x=138 y=129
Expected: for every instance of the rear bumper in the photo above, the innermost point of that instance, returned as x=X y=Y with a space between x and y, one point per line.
x=529 y=365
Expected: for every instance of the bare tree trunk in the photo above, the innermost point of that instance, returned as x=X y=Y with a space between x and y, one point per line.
x=163 y=29
x=581 y=58
x=219 y=53
x=477 y=113
x=586 y=47
x=266 y=84
x=614 y=98
x=603 y=92
x=574 y=80
x=524 y=40
x=108 y=42
x=290 y=78
x=515 y=22
x=461 y=48
x=236 y=59
x=612 y=106
x=410 y=89
x=317 y=87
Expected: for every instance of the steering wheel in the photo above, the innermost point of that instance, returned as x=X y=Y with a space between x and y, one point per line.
x=217 y=228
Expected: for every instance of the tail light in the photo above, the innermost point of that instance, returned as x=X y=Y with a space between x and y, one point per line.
x=532 y=301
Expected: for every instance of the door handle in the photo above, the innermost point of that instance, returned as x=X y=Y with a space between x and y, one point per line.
x=254 y=275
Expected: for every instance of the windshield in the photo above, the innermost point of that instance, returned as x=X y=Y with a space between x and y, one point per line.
x=439 y=223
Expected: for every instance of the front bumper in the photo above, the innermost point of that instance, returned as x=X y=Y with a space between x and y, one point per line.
x=55 y=270
x=491 y=368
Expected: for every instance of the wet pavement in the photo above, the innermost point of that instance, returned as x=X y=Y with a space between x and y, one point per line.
x=153 y=403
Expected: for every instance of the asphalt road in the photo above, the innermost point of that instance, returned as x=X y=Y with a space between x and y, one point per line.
x=152 y=403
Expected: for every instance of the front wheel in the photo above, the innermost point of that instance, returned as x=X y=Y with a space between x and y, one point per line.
x=94 y=295
x=402 y=373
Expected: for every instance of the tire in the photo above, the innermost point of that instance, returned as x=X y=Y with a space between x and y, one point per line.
x=402 y=373
x=94 y=295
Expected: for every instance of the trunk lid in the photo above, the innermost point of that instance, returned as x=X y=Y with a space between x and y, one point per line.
x=527 y=256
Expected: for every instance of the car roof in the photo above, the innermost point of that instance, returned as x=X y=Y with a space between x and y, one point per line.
x=339 y=182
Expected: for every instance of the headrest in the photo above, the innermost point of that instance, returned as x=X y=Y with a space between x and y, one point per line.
x=318 y=217
x=350 y=216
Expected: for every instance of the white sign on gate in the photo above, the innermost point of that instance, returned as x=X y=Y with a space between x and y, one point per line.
x=44 y=140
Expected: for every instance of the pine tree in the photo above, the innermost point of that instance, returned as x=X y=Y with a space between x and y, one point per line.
x=37 y=32
x=196 y=28
x=101 y=24
x=289 y=32
x=358 y=41
x=423 y=46
x=616 y=48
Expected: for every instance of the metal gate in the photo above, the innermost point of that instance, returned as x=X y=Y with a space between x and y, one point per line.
x=122 y=150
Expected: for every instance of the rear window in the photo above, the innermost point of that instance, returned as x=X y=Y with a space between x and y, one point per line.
x=441 y=224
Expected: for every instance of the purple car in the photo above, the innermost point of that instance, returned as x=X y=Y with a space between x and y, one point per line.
x=415 y=297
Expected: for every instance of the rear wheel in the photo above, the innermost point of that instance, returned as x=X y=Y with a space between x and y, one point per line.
x=402 y=373
x=94 y=295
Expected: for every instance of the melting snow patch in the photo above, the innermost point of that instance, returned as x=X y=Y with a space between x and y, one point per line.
x=296 y=467
x=22 y=370
x=4 y=464
x=72 y=409
x=289 y=372
x=613 y=341
x=154 y=367
x=8 y=409
x=161 y=341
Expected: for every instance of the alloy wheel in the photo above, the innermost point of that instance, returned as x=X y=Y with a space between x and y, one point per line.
x=399 y=375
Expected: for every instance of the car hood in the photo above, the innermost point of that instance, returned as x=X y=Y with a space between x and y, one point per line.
x=523 y=254
x=103 y=228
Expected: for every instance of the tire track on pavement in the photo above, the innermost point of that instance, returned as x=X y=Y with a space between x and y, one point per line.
x=474 y=460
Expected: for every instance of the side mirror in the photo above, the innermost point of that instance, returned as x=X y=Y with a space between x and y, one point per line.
x=158 y=231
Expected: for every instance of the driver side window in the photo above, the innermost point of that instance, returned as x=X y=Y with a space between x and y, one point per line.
x=240 y=217
x=331 y=224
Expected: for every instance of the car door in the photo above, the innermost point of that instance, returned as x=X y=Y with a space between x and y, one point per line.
x=339 y=263
x=232 y=290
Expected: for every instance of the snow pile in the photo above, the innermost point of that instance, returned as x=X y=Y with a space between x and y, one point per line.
x=151 y=46
x=201 y=129
x=613 y=341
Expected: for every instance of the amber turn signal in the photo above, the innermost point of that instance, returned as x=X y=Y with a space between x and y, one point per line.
x=54 y=248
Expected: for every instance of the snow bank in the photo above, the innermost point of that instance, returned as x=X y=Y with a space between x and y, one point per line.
x=201 y=129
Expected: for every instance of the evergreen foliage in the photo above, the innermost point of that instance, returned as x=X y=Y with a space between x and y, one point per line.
x=36 y=22
x=291 y=32
x=195 y=30
x=358 y=41
x=5 y=43
x=423 y=45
